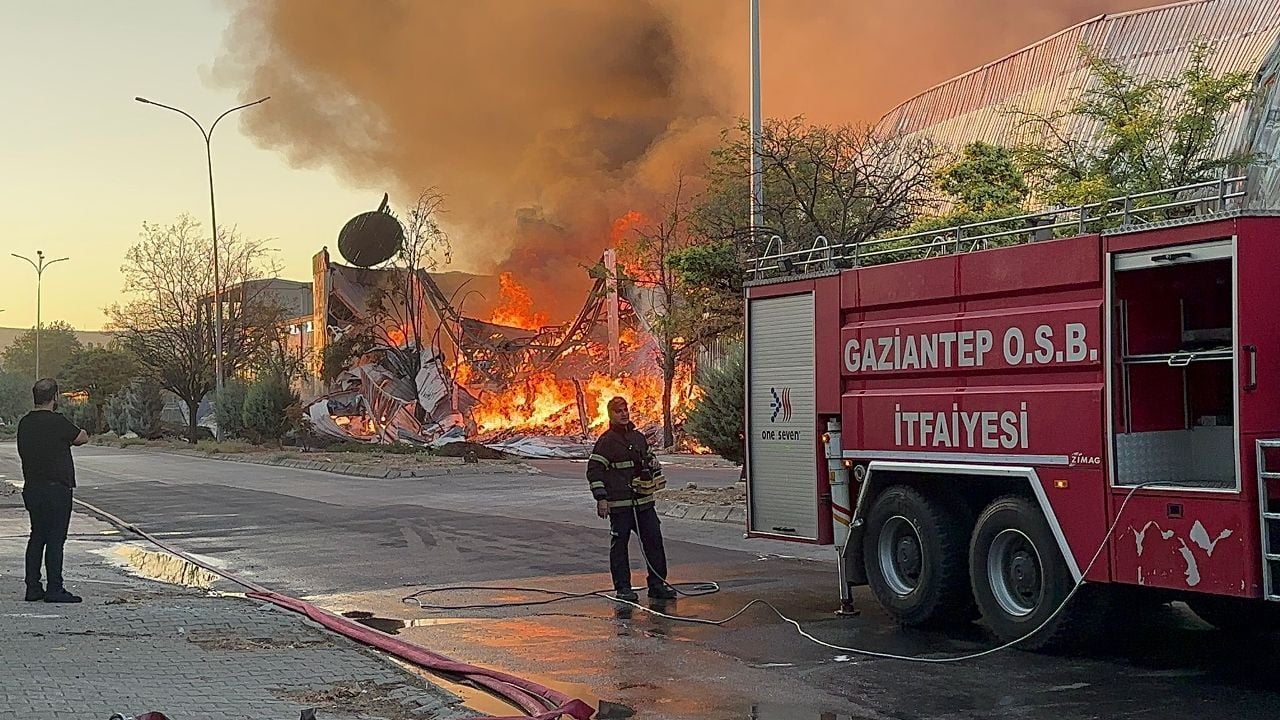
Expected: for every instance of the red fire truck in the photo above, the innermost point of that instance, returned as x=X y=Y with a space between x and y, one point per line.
x=966 y=414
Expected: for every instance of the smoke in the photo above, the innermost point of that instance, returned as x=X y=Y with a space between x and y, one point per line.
x=543 y=120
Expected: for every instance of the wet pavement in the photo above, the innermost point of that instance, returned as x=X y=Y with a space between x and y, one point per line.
x=360 y=546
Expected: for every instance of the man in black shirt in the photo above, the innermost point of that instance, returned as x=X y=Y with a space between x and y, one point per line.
x=45 y=438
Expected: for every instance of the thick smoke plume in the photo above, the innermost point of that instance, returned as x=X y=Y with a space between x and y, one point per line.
x=543 y=120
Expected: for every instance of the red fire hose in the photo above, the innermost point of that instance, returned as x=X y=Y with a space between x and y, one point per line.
x=539 y=701
x=527 y=694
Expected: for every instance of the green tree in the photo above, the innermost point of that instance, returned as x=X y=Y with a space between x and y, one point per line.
x=15 y=396
x=118 y=412
x=58 y=345
x=985 y=178
x=716 y=420
x=145 y=403
x=99 y=373
x=266 y=408
x=1144 y=133
x=229 y=408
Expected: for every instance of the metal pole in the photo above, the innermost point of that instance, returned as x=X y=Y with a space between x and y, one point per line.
x=757 y=143
x=213 y=232
x=39 y=283
x=39 y=266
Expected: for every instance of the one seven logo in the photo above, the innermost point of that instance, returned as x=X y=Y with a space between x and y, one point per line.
x=781 y=404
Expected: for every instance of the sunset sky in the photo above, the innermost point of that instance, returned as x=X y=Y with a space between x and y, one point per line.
x=84 y=165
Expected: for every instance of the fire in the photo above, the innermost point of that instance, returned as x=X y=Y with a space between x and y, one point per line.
x=516 y=308
x=548 y=405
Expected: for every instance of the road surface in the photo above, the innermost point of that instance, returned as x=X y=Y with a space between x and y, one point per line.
x=355 y=544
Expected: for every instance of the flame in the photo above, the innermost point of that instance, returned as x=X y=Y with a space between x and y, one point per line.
x=516 y=307
x=545 y=404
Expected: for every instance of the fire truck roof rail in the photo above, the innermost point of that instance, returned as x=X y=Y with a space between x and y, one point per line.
x=1186 y=203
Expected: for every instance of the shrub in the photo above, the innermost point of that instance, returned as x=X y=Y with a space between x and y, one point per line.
x=266 y=405
x=118 y=412
x=717 y=418
x=145 y=405
x=229 y=409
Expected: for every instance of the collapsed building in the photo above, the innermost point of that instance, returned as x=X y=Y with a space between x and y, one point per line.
x=407 y=355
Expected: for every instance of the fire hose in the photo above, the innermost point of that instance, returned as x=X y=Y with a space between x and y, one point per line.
x=705 y=588
x=537 y=701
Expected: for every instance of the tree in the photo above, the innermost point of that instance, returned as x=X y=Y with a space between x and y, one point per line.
x=267 y=406
x=99 y=373
x=118 y=412
x=15 y=396
x=983 y=179
x=145 y=404
x=983 y=184
x=1139 y=134
x=846 y=183
x=58 y=344
x=674 y=319
x=716 y=420
x=168 y=322
x=228 y=408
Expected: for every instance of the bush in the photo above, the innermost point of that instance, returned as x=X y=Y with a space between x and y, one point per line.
x=717 y=419
x=229 y=409
x=145 y=405
x=84 y=415
x=266 y=409
x=118 y=412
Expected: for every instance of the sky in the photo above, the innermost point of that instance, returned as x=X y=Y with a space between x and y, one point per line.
x=82 y=164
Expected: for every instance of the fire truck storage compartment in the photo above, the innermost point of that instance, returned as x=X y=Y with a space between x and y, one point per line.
x=1173 y=378
x=781 y=421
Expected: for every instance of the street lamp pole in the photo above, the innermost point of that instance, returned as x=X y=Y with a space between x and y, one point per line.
x=757 y=136
x=213 y=219
x=39 y=264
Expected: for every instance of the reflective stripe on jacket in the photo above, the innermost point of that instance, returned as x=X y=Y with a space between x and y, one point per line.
x=614 y=467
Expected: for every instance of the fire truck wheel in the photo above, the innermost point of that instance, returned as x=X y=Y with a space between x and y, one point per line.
x=1020 y=577
x=1236 y=616
x=914 y=554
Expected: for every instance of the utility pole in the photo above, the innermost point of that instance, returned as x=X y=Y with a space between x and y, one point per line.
x=213 y=219
x=39 y=264
x=757 y=137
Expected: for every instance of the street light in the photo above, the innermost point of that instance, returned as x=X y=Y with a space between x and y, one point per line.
x=213 y=219
x=39 y=264
x=757 y=135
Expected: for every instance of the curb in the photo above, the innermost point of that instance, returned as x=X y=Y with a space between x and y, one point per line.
x=704 y=513
x=374 y=472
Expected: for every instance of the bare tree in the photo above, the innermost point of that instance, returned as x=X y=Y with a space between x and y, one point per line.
x=844 y=182
x=672 y=310
x=167 y=322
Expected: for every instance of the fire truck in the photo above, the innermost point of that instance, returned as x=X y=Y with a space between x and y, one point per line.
x=982 y=419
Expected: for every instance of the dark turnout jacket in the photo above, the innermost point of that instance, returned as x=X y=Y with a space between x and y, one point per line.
x=614 y=469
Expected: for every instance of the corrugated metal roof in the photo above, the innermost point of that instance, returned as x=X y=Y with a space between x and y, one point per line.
x=1050 y=74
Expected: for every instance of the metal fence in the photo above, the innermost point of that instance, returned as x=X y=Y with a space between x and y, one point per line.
x=1130 y=211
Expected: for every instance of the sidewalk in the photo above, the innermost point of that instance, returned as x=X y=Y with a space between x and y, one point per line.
x=137 y=645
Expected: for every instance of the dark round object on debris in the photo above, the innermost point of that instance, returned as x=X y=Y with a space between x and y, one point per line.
x=463 y=449
x=370 y=238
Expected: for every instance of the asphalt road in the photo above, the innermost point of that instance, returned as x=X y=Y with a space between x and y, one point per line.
x=361 y=545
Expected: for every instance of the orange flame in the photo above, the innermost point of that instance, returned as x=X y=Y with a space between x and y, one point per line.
x=516 y=308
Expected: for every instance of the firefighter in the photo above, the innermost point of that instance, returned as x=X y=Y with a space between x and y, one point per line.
x=624 y=475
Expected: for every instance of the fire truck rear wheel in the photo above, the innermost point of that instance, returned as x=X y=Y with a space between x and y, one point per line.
x=914 y=554
x=1020 y=577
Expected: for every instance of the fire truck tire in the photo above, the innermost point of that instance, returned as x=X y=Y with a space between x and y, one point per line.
x=1020 y=579
x=1237 y=616
x=914 y=555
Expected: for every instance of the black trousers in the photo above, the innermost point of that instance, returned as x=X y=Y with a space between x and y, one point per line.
x=50 y=509
x=644 y=521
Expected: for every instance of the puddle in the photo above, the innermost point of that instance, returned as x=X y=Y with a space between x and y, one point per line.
x=393 y=626
x=164 y=567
